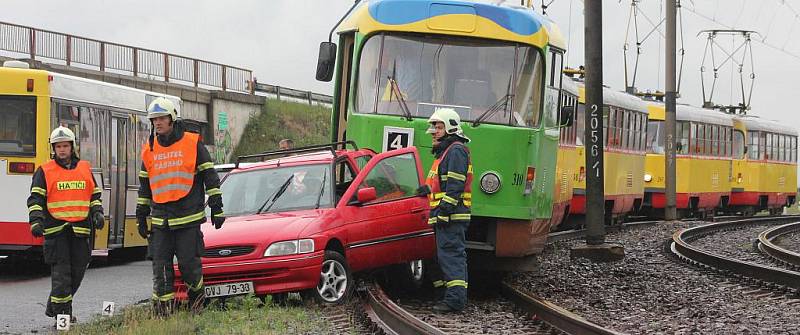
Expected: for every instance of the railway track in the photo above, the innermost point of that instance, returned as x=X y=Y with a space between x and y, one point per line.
x=766 y=245
x=768 y=277
x=392 y=318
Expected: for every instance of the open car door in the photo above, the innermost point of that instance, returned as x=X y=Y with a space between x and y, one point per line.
x=385 y=218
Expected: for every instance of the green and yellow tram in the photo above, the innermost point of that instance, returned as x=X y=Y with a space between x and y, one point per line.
x=497 y=64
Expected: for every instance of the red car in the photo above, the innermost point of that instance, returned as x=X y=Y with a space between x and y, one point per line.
x=306 y=222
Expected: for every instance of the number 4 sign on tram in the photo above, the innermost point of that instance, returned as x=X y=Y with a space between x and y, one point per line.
x=397 y=138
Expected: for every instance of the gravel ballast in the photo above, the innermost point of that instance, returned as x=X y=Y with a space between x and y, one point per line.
x=650 y=292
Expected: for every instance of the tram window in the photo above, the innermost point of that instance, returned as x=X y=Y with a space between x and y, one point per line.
x=783 y=148
x=728 y=142
x=794 y=149
x=715 y=141
x=738 y=144
x=625 y=129
x=683 y=138
x=635 y=133
x=93 y=123
x=554 y=75
x=655 y=137
x=606 y=116
x=18 y=125
x=580 y=118
x=768 y=146
x=368 y=75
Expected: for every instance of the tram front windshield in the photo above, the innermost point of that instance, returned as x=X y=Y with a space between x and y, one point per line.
x=472 y=76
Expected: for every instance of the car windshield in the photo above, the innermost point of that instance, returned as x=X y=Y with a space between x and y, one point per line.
x=472 y=76
x=248 y=192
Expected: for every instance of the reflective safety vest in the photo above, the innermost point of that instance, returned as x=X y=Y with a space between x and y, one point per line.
x=171 y=169
x=437 y=193
x=69 y=193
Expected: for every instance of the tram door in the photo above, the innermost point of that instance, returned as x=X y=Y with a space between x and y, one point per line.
x=119 y=183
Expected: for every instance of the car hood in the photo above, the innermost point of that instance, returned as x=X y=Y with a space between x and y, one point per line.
x=259 y=229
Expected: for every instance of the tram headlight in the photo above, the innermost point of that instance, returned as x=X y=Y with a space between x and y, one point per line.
x=648 y=177
x=490 y=182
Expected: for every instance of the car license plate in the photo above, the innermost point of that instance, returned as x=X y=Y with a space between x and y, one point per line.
x=222 y=290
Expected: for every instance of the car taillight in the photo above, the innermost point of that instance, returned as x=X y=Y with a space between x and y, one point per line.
x=529 y=180
x=19 y=167
x=739 y=178
x=582 y=175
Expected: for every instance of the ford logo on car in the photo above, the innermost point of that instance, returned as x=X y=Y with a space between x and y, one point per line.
x=225 y=252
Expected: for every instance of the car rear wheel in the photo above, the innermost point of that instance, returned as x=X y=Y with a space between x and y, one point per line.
x=409 y=276
x=335 y=280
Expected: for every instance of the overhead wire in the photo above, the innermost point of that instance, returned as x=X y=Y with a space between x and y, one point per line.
x=761 y=40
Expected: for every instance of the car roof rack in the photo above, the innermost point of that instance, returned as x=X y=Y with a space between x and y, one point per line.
x=330 y=146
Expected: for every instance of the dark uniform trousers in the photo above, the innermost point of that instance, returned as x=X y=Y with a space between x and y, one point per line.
x=452 y=258
x=187 y=245
x=68 y=256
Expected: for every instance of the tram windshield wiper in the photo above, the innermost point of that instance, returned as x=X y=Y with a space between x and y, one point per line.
x=397 y=92
x=502 y=103
x=275 y=195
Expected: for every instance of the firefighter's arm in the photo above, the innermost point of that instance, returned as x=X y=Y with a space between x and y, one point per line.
x=456 y=163
x=37 y=201
x=144 y=197
x=210 y=178
x=96 y=203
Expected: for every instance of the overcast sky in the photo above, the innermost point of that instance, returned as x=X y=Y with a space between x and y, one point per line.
x=278 y=39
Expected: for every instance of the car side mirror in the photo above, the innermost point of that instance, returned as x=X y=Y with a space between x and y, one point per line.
x=366 y=194
x=326 y=61
x=567 y=113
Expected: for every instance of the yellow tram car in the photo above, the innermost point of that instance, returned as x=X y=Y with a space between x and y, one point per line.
x=704 y=151
x=568 y=143
x=764 y=166
x=624 y=131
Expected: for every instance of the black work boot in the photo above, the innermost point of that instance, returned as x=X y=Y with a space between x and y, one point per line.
x=442 y=307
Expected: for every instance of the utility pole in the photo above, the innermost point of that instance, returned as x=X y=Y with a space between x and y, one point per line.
x=595 y=202
x=596 y=248
x=670 y=212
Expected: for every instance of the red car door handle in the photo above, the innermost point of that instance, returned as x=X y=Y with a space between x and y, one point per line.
x=417 y=210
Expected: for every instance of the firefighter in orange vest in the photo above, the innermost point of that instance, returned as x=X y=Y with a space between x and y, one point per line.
x=449 y=182
x=176 y=168
x=64 y=207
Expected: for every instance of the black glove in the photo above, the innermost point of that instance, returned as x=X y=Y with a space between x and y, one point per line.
x=142 y=223
x=36 y=229
x=99 y=220
x=216 y=218
x=423 y=190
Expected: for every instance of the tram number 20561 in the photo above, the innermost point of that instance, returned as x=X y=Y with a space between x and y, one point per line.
x=222 y=290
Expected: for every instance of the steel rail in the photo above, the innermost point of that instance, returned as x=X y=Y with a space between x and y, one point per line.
x=391 y=318
x=766 y=246
x=554 y=315
x=680 y=246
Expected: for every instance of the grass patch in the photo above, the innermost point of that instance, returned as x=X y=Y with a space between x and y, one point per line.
x=302 y=123
x=241 y=315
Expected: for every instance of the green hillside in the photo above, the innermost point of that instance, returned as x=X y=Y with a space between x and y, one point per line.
x=302 y=123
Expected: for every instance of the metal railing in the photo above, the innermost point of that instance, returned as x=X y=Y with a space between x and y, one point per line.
x=47 y=45
x=306 y=96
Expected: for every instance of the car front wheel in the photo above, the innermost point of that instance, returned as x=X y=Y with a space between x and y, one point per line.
x=335 y=280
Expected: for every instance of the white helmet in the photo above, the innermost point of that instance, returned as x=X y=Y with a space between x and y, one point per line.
x=162 y=107
x=62 y=134
x=451 y=120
